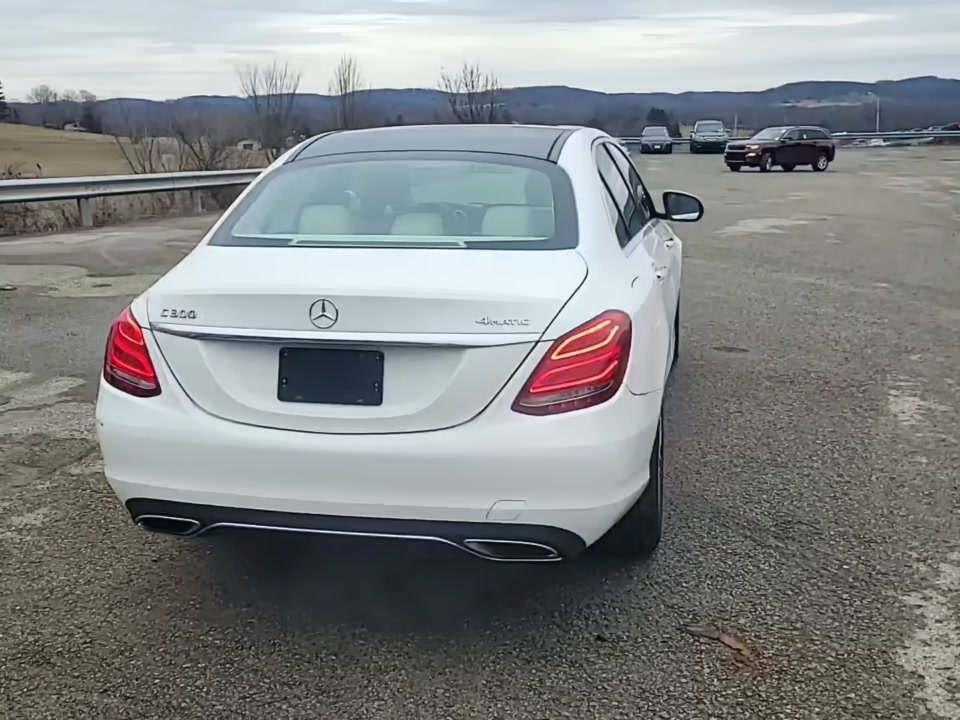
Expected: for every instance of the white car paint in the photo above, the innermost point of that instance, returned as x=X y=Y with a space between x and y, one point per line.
x=446 y=444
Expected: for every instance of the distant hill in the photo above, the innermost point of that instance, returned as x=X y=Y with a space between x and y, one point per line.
x=850 y=106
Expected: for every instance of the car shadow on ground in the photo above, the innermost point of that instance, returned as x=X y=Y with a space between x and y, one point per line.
x=382 y=586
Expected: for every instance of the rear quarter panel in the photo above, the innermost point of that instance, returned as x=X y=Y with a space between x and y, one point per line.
x=615 y=281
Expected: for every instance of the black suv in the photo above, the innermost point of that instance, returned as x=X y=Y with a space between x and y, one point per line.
x=709 y=136
x=787 y=147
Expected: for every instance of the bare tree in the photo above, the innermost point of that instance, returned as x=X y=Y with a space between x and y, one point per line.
x=141 y=149
x=86 y=96
x=474 y=95
x=202 y=145
x=346 y=85
x=69 y=106
x=46 y=97
x=42 y=94
x=271 y=91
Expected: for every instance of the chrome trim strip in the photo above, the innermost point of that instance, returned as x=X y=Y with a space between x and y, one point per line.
x=295 y=337
x=382 y=536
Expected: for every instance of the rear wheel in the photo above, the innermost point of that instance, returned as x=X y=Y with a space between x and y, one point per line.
x=788 y=168
x=766 y=162
x=822 y=163
x=637 y=534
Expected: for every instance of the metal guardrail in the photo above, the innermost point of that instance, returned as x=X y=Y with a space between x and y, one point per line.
x=896 y=135
x=85 y=189
x=674 y=140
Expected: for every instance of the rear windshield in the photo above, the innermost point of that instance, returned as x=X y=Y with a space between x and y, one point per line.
x=659 y=131
x=710 y=126
x=401 y=199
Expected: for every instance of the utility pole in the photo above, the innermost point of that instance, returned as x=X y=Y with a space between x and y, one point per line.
x=878 y=113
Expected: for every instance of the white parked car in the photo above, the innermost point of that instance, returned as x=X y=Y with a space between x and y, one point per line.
x=457 y=334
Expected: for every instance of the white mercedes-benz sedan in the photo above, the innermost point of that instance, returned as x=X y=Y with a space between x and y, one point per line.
x=456 y=334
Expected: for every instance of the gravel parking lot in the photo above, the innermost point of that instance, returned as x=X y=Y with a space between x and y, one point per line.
x=811 y=566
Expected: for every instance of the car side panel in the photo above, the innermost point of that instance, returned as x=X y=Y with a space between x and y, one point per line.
x=617 y=278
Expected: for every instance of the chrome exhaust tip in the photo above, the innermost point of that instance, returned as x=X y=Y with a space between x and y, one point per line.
x=511 y=550
x=168 y=525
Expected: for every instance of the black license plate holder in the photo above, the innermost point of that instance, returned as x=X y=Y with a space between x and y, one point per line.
x=330 y=376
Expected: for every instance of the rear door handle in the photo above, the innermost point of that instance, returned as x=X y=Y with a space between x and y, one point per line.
x=661 y=272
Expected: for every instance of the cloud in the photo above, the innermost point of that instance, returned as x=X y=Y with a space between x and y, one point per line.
x=179 y=47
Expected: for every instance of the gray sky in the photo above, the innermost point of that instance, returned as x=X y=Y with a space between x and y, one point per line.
x=170 y=48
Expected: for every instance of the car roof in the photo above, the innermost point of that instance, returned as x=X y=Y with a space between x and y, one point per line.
x=536 y=141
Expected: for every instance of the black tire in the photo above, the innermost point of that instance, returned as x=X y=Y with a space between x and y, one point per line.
x=670 y=150
x=694 y=149
x=788 y=167
x=637 y=534
x=733 y=168
x=676 y=338
x=822 y=163
x=766 y=162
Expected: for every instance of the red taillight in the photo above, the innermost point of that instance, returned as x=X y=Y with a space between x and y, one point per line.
x=127 y=364
x=583 y=368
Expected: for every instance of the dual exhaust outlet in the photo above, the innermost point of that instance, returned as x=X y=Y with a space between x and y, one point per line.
x=498 y=550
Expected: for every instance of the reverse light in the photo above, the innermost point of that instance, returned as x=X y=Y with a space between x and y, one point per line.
x=581 y=369
x=126 y=363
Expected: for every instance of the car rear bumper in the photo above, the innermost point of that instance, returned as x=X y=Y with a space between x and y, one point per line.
x=717 y=146
x=650 y=148
x=491 y=541
x=577 y=472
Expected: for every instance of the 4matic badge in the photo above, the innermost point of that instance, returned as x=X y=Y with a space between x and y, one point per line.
x=502 y=322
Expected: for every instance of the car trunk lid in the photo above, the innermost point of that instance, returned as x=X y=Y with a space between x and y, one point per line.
x=450 y=327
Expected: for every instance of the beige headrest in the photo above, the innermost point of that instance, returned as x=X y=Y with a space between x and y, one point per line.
x=325 y=220
x=517 y=221
x=421 y=223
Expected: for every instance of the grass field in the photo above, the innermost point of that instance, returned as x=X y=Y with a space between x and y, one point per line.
x=59 y=153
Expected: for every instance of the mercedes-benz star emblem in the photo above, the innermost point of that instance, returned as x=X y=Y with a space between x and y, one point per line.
x=324 y=314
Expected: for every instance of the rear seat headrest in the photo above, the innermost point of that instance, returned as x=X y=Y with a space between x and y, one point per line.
x=418 y=223
x=325 y=220
x=536 y=189
x=517 y=221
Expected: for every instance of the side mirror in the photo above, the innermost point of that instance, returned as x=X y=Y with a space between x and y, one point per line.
x=682 y=207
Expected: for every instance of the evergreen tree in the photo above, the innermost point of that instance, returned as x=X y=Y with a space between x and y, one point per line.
x=90 y=118
x=4 y=110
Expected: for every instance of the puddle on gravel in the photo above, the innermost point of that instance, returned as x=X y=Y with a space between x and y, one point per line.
x=761 y=226
x=906 y=404
x=68 y=281
x=31 y=406
x=933 y=650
